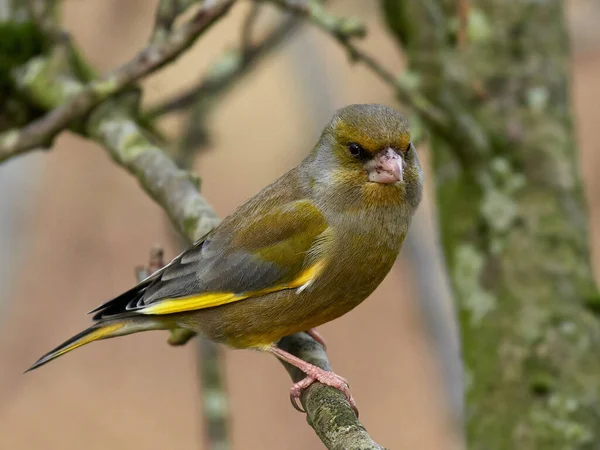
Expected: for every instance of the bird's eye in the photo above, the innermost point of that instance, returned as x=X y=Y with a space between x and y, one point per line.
x=355 y=149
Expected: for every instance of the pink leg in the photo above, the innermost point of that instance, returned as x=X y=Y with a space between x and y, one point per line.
x=313 y=373
x=313 y=333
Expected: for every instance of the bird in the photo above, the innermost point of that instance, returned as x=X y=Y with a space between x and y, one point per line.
x=303 y=251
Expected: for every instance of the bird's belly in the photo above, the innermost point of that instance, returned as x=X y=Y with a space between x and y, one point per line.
x=259 y=322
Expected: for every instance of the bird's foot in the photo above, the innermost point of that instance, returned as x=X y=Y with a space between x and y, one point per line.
x=324 y=377
x=313 y=374
x=313 y=333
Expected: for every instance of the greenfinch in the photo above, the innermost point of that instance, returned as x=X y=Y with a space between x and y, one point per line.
x=303 y=251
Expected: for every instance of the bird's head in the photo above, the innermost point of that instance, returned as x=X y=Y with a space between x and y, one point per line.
x=366 y=151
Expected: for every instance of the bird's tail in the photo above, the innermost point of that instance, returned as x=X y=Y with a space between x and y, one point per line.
x=102 y=330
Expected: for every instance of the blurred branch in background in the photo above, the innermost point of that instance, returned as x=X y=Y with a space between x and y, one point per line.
x=225 y=71
x=428 y=268
x=18 y=184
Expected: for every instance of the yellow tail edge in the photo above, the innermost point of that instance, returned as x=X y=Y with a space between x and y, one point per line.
x=91 y=334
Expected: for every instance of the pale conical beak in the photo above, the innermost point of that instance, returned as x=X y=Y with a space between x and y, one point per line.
x=385 y=167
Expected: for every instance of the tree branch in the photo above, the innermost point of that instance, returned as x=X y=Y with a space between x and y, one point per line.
x=158 y=53
x=113 y=125
x=327 y=409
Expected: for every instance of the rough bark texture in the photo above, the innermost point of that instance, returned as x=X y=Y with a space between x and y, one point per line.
x=512 y=216
x=326 y=408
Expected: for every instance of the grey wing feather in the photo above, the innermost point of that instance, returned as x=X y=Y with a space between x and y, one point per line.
x=209 y=266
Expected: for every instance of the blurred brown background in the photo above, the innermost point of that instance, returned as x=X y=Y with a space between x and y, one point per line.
x=74 y=226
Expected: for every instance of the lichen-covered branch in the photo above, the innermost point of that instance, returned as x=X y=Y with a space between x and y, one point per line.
x=162 y=49
x=513 y=219
x=113 y=126
x=327 y=409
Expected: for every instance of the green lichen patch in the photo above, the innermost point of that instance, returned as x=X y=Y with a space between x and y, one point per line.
x=468 y=267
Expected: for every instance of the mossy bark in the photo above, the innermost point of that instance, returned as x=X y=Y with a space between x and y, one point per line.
x=512 y=216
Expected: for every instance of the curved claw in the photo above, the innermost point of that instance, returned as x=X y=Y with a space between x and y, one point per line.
x=296 y=391
x=313 y=373
x=295 y=401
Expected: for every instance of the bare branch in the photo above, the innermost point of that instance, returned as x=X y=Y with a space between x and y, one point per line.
x=155 y=55
x=167 y=12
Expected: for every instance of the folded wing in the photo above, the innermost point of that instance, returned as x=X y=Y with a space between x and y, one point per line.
x=251 y=254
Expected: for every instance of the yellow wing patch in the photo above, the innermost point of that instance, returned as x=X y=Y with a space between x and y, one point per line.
x=211 y=299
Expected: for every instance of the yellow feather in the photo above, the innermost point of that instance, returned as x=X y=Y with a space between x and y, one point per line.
x=85 y=337
x=211 y=299
x=93 y=336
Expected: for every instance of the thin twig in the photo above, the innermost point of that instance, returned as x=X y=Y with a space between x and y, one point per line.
x=226 y=70
x=155 y=55
x=223 y=76
x=155 y=262
x=215 y=402
x=248 y=28
x=343 y=30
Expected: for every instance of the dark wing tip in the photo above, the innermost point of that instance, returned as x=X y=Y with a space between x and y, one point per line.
x=40 y=362
x=97 y=308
